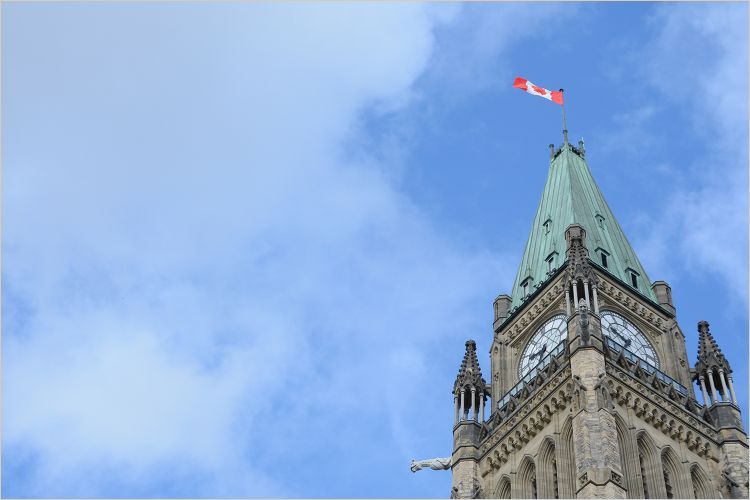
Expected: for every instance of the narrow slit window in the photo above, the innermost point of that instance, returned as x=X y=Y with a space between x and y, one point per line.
x=604 y=259
x=551 y=262
x=547 y=226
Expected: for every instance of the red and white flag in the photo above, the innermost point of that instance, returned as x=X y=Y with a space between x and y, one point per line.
x=525 y=85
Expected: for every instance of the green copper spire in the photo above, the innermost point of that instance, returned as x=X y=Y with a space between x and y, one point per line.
x=571 y=196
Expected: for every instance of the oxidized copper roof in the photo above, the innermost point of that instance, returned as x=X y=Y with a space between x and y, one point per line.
x=571 y=196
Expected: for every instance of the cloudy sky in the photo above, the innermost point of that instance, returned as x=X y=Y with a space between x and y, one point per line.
x=244 y=244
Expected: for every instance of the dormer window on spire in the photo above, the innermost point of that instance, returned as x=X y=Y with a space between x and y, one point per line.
x=603 y=257
x=633 y=277
x=551 y=262
x=600 y=220
x=547 y=226
x=526 y=287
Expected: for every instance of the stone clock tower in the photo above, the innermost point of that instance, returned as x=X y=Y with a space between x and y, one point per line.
x=591 y=393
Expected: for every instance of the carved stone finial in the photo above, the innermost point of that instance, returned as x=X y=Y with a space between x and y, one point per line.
x=577 y=254
x=581 y=149
x=709 y=353
x=470 y=374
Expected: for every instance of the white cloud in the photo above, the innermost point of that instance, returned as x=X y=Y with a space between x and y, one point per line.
x=472 y=47
x=195 y=269
x=698 y=62
x=205 y=284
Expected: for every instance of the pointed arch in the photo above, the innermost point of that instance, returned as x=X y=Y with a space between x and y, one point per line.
x=700 y=482
x=670 y=477
x=525 y=485
x=566 y=463
x=547 y=470
x=652 y=479
x=629 y=459
x=503 y=488
x=674 y=481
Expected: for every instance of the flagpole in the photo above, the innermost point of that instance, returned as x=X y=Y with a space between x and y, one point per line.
x=565 y=125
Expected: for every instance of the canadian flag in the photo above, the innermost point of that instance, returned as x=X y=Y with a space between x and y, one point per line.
x=524 y=84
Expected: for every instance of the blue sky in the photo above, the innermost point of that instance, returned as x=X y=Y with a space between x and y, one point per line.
x=244 y=244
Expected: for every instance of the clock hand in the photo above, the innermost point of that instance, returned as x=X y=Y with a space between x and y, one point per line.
x=623 y=339
x=539 y=352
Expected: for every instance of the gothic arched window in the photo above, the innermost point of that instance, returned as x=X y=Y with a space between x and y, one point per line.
x=673 y=481
x=548 y=487
x=503 y=488
x=629 y=459
x=644 y=482
x=526 y=485
x=700 y=482
x=650 y=468
x=668 y=483
x=566 y=472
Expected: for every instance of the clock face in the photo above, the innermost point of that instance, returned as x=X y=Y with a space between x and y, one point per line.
x=627 y=335
x=542 y=343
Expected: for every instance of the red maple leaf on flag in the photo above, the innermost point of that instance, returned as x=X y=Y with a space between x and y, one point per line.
x=527 y=86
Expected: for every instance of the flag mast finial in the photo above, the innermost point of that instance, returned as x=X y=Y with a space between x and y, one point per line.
x=565 y=125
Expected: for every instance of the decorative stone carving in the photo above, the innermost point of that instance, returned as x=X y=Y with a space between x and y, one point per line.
x=673 y=421
x=510 y=434
x=476 y=491
x=616 y=295
x=491 y=464
x=617 y=478
x=583 y=479
x=432 y=463
x=550 y=301
x=579 y=394
x=583 y=320
x=603 y=392
x=577 y=254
